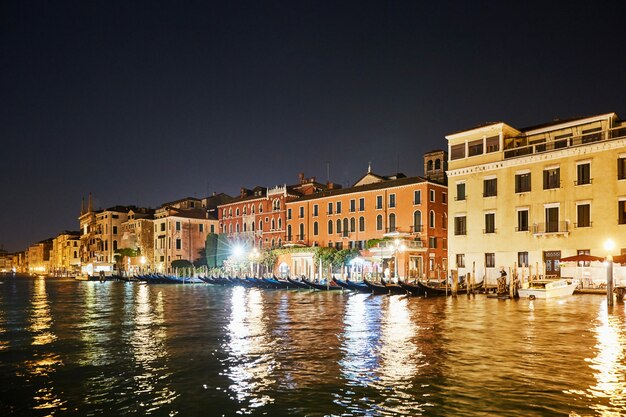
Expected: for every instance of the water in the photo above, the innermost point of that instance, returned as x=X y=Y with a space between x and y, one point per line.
x=89 y=348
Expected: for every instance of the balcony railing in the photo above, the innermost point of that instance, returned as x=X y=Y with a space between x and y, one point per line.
x=573 y=141
x=561 y=227
x=417 y=228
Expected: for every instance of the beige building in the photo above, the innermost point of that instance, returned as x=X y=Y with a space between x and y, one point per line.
x=180 y=231
x=39 y=257
x=533 y=196
x=65 y=254
x=6 y=262
x=138 y=235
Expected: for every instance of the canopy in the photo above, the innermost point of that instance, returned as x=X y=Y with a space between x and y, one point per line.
x=619 y=259
x=582 y=258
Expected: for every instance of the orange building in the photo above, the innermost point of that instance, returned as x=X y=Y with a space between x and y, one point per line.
x=257 y=217
x=403 y=218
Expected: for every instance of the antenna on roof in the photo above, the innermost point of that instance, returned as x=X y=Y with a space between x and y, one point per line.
x=369 y=167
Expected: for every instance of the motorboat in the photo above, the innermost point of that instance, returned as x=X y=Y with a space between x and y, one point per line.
x=547 y=288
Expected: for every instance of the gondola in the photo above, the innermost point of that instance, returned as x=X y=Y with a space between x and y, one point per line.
x=343 y=284
x=301 y=285
x=376 y=288
x=393 y=288
x=431 y=291
x=330 y=286
x=412 y=289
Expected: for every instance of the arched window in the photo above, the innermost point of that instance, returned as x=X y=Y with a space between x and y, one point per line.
x=252 y=226
x=301 y=237
x=346 y=228
x=417 y=221
x=280 y=223
x=237 y=212
x=280 y=242
x=115 y=245
x=361 y=224
x=392 y=222
x=273 y=243
x=237 y=228
x=437 y=163
x=252 y=209
x=276 y=205
x=338 y=225
x=245 y=227
x=289 y=232
x=429 y=165
x=260 y=225
x=273 y=225
x=379 y=222
x=75 y=254
x=230 y=228
x=230 y=212
x=431 y=219
x=330 y=227
x=245 y=210
x=260 y=207
x=315 y=229
x=352 y=225
x=260 y=243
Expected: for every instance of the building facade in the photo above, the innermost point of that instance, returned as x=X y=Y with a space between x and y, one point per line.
x=532 y=196
x=180 y=231
x=39 y=257
x=405 y=216
x=65 y=255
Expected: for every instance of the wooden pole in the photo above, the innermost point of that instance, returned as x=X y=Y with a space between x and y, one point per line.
x=511 y=284
x=468 y=282
x=473 y=272
x=455 y=281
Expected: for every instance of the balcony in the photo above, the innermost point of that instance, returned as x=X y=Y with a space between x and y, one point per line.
x=551 y=228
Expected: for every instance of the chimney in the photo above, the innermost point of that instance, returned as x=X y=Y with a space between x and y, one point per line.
x=243 y=192
x=301 y=177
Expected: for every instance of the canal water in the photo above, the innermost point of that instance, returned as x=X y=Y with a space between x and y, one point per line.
x=114 y=348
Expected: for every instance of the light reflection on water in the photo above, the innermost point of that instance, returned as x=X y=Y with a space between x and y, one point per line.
x=128 y=349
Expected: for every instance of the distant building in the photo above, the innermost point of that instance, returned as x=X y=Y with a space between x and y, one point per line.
x=6 y=261
x=138 y=236
x=180 y=231
x=39 y=257
x=532 y=196
x=65 y=254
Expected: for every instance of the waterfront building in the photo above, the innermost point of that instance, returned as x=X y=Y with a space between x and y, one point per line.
x=101 y=236
x=65 y=254
x=532 y=196
x=257 y=217
x=39 y=257
x=20 y=262
x=180 y=231
x=6 y=261
x=138 y=236
x=397 y=222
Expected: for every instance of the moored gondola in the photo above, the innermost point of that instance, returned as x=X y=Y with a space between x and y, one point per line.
x=327 y=286
x=412 y=289
x=376 y=288
x=301 y=285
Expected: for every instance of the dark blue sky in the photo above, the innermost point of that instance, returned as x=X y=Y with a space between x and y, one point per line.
x=150 y=101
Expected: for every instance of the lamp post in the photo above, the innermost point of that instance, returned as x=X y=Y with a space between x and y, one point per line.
x=399 y=247
x=142 y=260
x=254 y=256
x=609 y=245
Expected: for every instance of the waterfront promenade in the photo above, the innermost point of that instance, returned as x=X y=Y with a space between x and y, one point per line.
x=90 y=348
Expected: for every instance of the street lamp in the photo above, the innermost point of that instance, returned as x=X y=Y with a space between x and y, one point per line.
x=399 y=246
x=609 y=246
x=254 y=256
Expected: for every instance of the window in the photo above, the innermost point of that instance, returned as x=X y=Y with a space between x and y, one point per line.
x=392 y=222
x=213 y=228
x=522 y=221
x=316 y=228
x=361 y=224
x=417 y=221
x=522 y=182
x=379 y=202
x=432 y=196
x=583 y=215
x=289 y=214
x=621 y=211
x=492 y=144
x=490 y=260
x=361 y=204
x=315 y=210
x=345 y=226
x=417 y=197
x=301 y=212
x=490 y=187
x=460 y=191
x=592 y=135
x=289 y=233
x=237 y=212
x=444 y=198
x=177 y=226
x=352 y=225
x=201 y=228
x=330 y=208
x=237 y=228
x=460 y=225
x=163 y=227
x=583 y=174
x=301 y=232
x=460 y=260
x=457 y=151
x=490 y=222
x=178 y=244
x=621 y=168
x=431 y=219
x=552 y=219
x=330 y=227
x=338 y=207
x=392 y=200
x=260 y=225
x=280 y=224
x=273 y=224
x=114 y=230
x=338 y=229
x=352 y=206
x=522 y=259
x=379 y=222
x=475 y=147
x=432 y=242
x=551 y=178
x=260 y=208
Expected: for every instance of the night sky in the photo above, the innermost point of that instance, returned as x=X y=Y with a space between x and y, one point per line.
x=144 y=102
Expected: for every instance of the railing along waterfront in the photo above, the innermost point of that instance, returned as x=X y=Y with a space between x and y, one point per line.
x=568 y=142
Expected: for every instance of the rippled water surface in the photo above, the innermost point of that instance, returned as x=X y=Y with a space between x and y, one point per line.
x=89 y=348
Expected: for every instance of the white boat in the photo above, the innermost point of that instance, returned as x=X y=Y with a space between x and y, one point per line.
x=548 y=288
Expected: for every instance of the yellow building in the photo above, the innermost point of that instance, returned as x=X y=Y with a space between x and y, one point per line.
x=533 y=196
x=65 y=254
